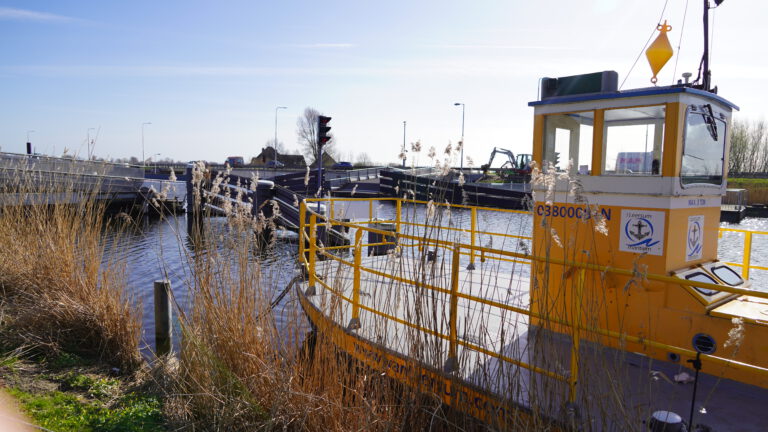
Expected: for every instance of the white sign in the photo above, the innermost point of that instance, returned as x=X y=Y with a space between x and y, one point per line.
x=642 y=231
x=695 y=240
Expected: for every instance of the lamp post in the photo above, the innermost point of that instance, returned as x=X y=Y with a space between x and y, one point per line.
x=404 y=150
x=144 y=161
x=88 y=141
x=150 y=158
x=461 y=163
x=275 y=148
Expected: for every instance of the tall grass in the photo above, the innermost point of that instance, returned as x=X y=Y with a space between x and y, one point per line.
x=60 y=288
x=239 y=369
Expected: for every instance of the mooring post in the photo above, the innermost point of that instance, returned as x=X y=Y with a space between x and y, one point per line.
x=163 y=315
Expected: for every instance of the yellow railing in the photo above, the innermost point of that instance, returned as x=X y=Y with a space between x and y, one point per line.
x=746 y=263
x=308 y=251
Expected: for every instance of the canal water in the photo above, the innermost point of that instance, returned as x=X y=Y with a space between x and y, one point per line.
x=162 y=250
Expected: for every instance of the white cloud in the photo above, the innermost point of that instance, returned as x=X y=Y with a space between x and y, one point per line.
x=7 y=13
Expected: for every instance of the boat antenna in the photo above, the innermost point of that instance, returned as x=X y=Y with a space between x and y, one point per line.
x=706 y=79
x=680 y=41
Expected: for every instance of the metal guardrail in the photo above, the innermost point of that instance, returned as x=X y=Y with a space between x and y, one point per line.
x=746 y=263
x=309 y=220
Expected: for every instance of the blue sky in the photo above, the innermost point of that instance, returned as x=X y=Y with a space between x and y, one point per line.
x=208 y=75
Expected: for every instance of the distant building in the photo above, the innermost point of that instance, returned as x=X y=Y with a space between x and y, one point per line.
x=269 y=154
x=328 y=161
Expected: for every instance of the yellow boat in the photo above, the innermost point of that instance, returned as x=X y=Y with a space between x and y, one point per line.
x=609 y=313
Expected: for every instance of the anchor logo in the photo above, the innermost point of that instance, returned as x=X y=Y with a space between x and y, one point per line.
x=639 y=231
x=694 y=235
x=694 y=239
x=639 y=234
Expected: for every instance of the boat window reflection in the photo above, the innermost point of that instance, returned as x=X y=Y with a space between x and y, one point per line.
x=703 y=148
x=568 y=137
x=634 y=139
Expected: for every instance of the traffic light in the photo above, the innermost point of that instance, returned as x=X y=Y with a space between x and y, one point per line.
x=322 y=130
x=557 y=159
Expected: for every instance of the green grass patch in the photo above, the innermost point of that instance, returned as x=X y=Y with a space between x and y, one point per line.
x=64 y=360
x=99 y=388
x=751 y=182
x=66 y=412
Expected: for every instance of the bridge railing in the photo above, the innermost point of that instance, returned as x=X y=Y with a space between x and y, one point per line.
x=401 y=238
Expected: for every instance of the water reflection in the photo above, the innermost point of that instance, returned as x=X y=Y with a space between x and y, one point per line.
x=163 y=249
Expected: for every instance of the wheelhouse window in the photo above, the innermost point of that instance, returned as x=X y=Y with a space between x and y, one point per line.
x=634 y=139
x=568 y=137
x=703 y=147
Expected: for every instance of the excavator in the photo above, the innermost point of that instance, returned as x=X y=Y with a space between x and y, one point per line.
x=515 y=166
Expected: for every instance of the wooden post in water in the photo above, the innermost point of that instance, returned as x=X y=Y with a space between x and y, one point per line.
x=163 y=315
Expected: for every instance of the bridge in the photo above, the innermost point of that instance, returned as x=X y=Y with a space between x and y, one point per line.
x=280 y=196
x=38 y=179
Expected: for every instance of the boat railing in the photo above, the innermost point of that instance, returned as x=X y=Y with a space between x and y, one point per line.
x=746 y=262
x=311 y=248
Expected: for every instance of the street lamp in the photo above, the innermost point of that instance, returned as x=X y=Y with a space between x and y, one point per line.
x=88 y=141
x=150 y=158
x=275 y=147
x=404 y=150
x=461 y=163
x=144 y=161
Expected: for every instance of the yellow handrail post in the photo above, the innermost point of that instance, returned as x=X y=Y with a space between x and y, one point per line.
x=370 y=211
x=747 y=255
x=398 y=209
x=312 y=254
x=354 y=323
x=473 y=229
x=302 y=233
x=452 y=363
x=576 y=328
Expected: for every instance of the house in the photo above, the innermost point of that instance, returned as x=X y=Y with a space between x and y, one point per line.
x=328 y=161
x=269 y=153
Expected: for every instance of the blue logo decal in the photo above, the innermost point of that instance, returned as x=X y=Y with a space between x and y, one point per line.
x=640 y=231
x=694 y=239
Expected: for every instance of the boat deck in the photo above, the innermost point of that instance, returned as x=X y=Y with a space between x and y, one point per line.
x=497 y=348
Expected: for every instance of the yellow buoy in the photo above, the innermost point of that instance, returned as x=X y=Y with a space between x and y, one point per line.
x=660 y=50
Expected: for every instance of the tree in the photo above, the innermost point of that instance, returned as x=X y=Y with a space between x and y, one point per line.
x=749 y=147
x=363 y=160
x=277 y=145
x=737 y=156
x=306 y=129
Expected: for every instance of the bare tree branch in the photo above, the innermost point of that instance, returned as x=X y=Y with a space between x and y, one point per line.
x=306 y=129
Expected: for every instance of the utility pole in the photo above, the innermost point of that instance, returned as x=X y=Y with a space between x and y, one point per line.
x=404 y=150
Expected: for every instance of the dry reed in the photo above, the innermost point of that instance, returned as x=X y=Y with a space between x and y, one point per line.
x=61 y=289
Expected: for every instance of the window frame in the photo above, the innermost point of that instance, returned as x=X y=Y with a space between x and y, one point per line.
x=718 y=116
x=663 y=142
